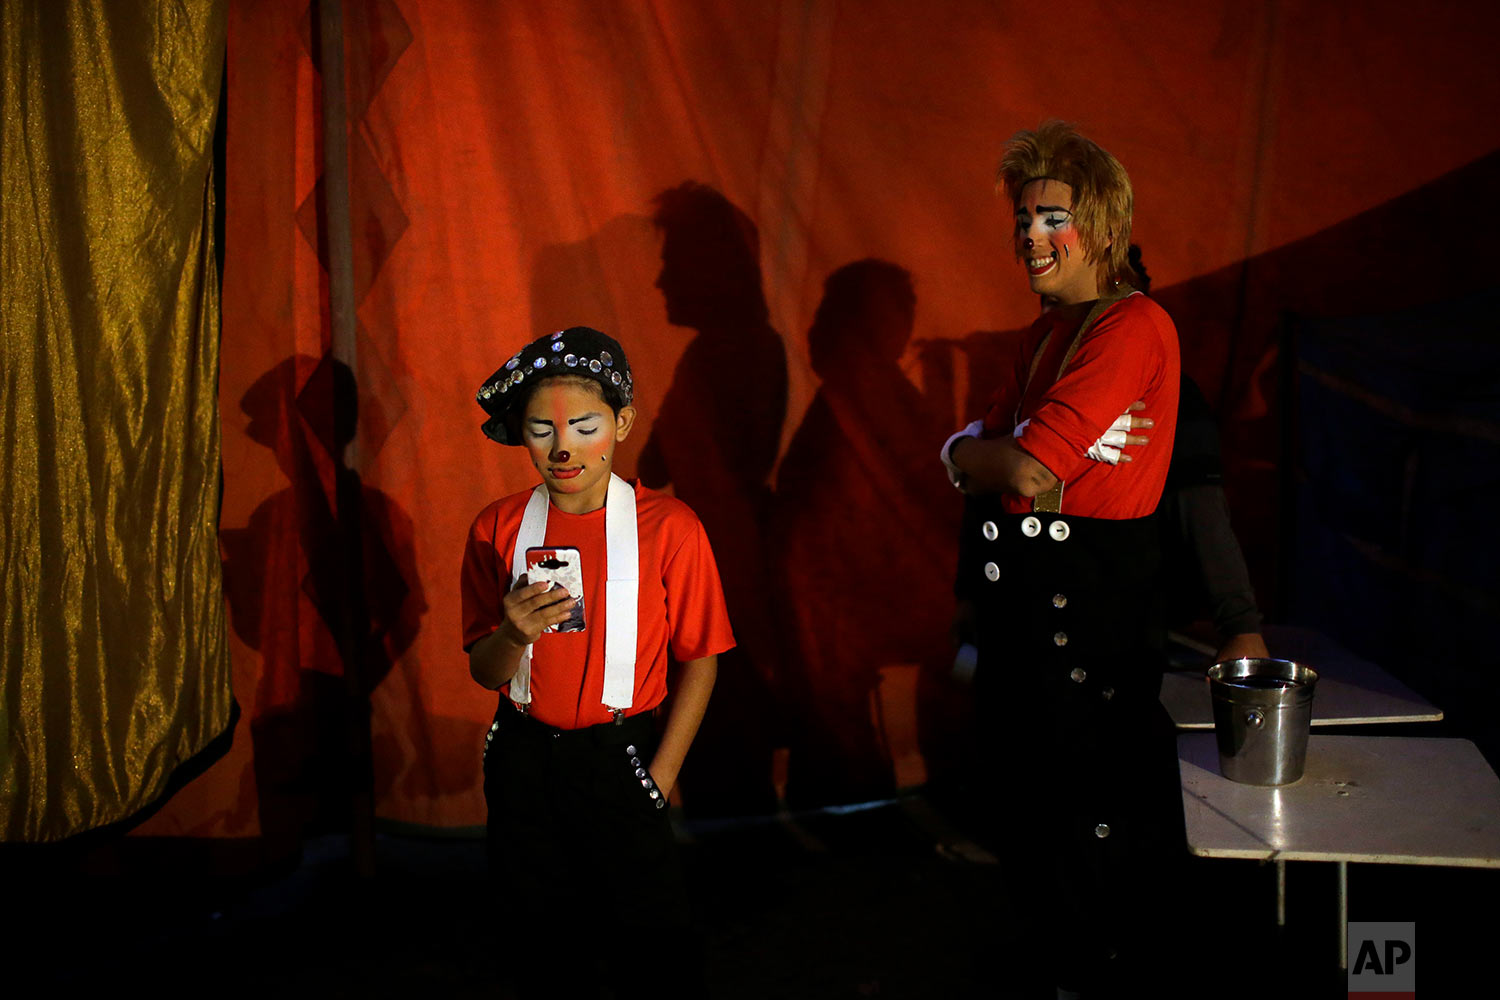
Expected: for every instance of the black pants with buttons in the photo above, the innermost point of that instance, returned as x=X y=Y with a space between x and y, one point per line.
x=1086 y=808
x=588 y=889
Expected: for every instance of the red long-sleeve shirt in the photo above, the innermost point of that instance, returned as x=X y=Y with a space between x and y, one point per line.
x=1130 y=353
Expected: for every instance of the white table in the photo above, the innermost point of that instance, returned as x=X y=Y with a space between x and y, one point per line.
x=1377 y=799
x=1350 y=690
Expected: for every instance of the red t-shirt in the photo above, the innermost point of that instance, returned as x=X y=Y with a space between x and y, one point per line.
x=680 y=607
x=1130 y=353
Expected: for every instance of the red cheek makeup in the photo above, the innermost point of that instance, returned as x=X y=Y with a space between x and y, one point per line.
x=1066 y=239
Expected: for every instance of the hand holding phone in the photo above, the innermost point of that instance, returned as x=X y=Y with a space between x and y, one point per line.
x=562 y=567
x=531 y=608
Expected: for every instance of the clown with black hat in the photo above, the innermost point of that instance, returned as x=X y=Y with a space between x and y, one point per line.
x=577 y=776
x=577 y=351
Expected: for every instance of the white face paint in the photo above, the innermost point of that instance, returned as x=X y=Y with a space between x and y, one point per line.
x=571 y=434
x=1049 y=245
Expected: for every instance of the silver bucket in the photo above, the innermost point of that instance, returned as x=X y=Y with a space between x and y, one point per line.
x=1262 y=714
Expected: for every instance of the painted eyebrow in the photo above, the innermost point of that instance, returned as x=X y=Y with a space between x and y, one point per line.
x=571 y=421
x=1022 y=210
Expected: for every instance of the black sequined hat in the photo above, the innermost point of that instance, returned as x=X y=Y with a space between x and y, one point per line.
x=578 y=351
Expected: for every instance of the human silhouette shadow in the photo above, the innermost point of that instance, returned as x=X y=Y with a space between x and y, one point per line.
x=714 y=442
x=285 y=580
x=865 y=532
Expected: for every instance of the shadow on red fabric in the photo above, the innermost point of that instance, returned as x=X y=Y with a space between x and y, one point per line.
x=286 y=580
x=714 y=442
x=864 y=533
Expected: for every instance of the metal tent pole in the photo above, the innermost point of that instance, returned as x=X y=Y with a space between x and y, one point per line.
x=340 y=258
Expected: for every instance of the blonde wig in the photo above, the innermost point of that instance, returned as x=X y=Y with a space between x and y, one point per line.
x=1102 y=198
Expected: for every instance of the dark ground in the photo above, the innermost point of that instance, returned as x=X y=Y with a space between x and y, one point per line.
x=876 y=902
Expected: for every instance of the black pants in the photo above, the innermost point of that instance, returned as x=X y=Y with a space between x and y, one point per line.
x=1086 y=802
x=1086 y=818
x=588 y=888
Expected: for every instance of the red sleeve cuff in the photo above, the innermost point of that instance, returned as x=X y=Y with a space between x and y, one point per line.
x=716 y=648
x=473 y=634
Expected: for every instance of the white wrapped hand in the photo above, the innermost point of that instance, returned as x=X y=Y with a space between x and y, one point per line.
x=1107 y=448
x=1111 y=444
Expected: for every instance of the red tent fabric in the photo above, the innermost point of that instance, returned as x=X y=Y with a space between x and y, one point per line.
x=513 y=169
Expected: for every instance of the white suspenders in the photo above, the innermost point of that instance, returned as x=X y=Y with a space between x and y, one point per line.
x=621 y=591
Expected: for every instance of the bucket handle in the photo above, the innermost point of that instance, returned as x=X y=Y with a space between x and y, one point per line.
x=1255 y=718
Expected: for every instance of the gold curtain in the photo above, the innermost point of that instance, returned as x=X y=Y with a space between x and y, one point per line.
x=115 y=669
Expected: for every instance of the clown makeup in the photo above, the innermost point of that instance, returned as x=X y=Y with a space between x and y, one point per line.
x=570 y=433
x=1049 y=246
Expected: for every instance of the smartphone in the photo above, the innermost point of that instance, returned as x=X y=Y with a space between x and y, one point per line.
x=561 y=567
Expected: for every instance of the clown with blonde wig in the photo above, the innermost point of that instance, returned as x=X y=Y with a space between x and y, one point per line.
x=1103 y=201
x=1057 y=561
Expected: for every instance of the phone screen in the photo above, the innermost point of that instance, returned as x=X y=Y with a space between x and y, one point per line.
x=561 y=567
